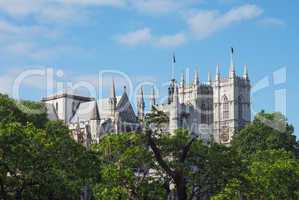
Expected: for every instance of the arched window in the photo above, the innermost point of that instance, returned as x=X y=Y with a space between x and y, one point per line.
x=240 y=107
x=203 y=113
x=225 y=108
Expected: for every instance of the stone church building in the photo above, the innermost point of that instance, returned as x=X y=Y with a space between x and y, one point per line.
x=213 y=110
x=89 y=119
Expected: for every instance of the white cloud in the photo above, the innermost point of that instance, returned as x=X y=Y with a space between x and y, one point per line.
x=94 y=2
x=21 y=8
x=9 y=28
x=68 y=9
x=269 y=21
x=155 y=6
x=171 y=40
x=204 y=23
x=137 y=37
x=144 y=36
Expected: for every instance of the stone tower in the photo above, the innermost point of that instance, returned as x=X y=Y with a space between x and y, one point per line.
x=231 y=98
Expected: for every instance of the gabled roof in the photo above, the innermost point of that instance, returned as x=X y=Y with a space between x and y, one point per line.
x=86 y=111
x=125 y=109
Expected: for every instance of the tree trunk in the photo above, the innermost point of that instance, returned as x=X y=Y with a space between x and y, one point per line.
x=181 y=189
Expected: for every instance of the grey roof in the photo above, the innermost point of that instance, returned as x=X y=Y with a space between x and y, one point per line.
x=86 y=111
x=68 y=95
x=52 y=115
x=125 y=109
x=101 y=110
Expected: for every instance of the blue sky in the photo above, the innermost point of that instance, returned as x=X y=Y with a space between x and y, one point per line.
x=137 y=37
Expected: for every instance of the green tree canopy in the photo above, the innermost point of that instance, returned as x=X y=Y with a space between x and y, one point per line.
x=38 y=158
x=125 y=170
x=267 y=131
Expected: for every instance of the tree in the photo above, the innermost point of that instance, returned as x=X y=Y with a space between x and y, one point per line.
x=271 y=174
x=125 y=170
x=269 y=167
x=267 y=131
x=38 y=158
x=22 y=112
x=197 y=170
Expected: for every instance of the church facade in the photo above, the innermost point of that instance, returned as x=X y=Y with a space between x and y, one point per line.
x=215 y=109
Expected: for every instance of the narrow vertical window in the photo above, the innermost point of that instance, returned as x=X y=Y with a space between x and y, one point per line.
x=225 y=109
x=203 y=114
x=56 y=106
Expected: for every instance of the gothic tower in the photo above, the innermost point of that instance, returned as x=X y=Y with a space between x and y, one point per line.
x=231 y=103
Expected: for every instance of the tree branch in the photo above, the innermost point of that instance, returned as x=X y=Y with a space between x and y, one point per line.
x=186 y=149
x=158 y=156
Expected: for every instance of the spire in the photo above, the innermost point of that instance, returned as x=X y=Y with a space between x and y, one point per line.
x=113 y=93
x=153 y=98
x=140 y=105
x=182 y=88
x=113 y=100
x=245 y=75
x=196 y=78
x=232 y=64
x=217 y=72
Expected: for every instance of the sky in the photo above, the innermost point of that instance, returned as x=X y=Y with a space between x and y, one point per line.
x=50 y=45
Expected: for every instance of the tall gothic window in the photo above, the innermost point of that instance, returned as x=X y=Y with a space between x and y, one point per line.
x=240 y=107
x=203 y=114
x=225 y=109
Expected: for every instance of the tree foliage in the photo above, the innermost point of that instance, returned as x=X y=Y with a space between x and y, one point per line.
x=126 y=169
x=267 y=131
x=39 y=160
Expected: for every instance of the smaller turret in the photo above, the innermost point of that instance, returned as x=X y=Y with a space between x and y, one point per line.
x=113 y=100
x=217 y=78
x=182 y=88
x=196 y=78
x=174 y=118
x=245 y=74
x=140 y=105
x=232 y=71
x=153 y=98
